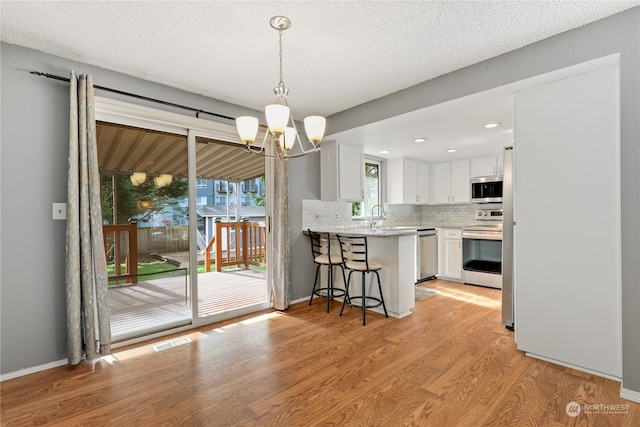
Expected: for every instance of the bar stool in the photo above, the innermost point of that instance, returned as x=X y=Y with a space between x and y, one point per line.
x=355 y=256
x=321 y=252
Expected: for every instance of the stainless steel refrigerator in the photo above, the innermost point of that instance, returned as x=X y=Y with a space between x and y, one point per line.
x=507 y=240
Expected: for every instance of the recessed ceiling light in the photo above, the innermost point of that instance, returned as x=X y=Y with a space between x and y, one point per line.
x=491 y=125
x=452 y=150
x=420 y=140
x=384 y=152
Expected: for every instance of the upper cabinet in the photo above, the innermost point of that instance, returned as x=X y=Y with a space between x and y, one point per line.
x=486 y=166
x=450 y=182
x=407 y=181
x=341 y=171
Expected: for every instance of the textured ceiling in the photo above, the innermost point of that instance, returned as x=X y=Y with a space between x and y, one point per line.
x=337 y=54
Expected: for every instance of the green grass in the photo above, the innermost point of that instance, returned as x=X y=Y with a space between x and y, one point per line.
x=156 y=270
x=144 y=268
x=146 y=271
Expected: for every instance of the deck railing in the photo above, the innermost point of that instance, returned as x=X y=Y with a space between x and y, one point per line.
x=249 y=249
x=122 y=240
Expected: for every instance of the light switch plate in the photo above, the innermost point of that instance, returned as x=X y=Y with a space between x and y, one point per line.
x=60 y=211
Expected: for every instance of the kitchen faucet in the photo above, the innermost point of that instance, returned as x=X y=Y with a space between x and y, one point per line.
x=381 y=208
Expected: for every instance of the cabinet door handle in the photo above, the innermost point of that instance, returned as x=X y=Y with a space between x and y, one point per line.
x=453 y=198
x=494 y=170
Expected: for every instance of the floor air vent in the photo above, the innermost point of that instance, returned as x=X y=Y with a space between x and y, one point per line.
x=171 y=344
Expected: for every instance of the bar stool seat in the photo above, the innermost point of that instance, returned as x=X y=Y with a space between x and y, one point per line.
x=361 y=266
x=355 y=256
x=322 y=256
x=326 y=259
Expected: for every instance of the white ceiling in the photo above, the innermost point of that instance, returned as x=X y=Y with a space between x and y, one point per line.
x=337 y=54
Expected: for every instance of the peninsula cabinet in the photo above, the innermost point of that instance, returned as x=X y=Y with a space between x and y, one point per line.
x=450 y=182
x=407 y=181
x=341 y=172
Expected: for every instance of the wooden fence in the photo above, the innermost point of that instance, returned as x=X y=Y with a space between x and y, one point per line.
x=236 y=243
x=163 y=239
x=121 y=244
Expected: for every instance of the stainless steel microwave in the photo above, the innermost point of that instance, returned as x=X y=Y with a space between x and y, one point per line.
x=486 y=189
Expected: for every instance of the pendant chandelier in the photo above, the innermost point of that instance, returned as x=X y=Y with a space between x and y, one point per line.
x=282 y=127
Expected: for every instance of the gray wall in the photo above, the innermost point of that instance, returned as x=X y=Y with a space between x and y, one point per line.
x=304 y=183
x=33 y=173
x=619 y=33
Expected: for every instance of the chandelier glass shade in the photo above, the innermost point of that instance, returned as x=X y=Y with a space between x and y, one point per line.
x=281 y=125
x=138 y=178
x=163 y=180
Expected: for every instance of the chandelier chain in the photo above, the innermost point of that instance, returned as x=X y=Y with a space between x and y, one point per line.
x=281 y=55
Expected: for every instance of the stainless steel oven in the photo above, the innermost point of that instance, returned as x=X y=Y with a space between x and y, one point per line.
x=482 y=250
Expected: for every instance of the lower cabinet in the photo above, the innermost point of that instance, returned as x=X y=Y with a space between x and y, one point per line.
x=450 y=253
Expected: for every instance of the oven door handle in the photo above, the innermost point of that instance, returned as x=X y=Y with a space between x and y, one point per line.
x=481 y=235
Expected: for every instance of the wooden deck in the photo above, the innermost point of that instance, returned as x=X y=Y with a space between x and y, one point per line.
x=151 y=304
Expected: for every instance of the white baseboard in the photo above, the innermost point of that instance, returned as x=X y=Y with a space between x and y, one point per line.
x=32 y=370
x=634 y=396
x=577 y=368
x=299 y=300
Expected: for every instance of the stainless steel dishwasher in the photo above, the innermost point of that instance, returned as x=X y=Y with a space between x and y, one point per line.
x=427 y=254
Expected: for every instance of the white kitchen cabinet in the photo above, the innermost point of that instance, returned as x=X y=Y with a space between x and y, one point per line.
x=500 y=164
x=341 y=172
x=441 y=183
x=450 y=182
x=407 y=181
x=486 y=166
x=460 y=185
x=450 y=253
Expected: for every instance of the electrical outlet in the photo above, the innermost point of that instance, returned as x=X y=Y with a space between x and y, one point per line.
x=318 y=216
x=337 y=216
x=442 y=215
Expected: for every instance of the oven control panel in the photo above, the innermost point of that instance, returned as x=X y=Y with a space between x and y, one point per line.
x=489 y=215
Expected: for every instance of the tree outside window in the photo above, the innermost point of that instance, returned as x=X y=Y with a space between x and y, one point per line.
x=371 y=190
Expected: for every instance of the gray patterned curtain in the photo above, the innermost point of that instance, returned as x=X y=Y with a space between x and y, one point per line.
x=281 y=286
x=88 y=328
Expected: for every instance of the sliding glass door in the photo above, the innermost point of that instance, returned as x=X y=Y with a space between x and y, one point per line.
x=231 y=231
x=145 y=205
x=184 y=220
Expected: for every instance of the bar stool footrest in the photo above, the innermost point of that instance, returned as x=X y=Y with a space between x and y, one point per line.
x=370 y=302
x=325 y=292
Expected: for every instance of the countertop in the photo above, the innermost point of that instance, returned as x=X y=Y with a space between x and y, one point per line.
x=382 y=231
x=388 y=231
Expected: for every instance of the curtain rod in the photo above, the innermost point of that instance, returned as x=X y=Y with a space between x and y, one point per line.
x=133 y=95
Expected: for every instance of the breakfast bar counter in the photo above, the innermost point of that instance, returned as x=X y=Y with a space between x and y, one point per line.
x=395 y=248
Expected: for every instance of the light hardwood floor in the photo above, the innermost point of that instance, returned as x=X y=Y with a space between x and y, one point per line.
x=451 y=363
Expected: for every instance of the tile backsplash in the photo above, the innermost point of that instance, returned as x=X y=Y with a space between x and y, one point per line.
x=319 y=213
x=316 y=213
